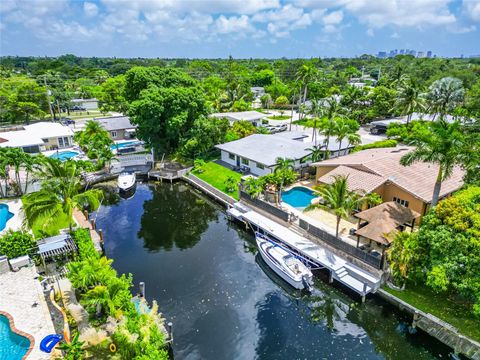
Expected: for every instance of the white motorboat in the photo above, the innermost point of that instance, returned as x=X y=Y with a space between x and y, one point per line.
x=126 y=181
x=285 y=264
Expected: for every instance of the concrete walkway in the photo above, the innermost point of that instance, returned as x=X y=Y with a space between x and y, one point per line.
x=22 y=298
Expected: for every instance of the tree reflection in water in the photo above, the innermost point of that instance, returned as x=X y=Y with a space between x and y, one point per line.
x=175 y=216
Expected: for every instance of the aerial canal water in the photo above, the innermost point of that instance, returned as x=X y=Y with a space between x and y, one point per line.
x=208 y=280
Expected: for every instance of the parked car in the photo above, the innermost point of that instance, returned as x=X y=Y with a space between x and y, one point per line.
x=67 y=121
x=78 y=108
x=378 y=129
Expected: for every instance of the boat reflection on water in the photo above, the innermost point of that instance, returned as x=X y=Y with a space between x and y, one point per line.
x=129 y=193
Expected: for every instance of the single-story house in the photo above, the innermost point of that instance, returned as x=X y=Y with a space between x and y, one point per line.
x=258 y=91
x=259 y=152
x=88 y=104
x=254 y=117
x=37 y=137
x=379 y=171
x=335 y=148
x=119 y=127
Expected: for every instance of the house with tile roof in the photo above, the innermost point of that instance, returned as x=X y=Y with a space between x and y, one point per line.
x=379 y=171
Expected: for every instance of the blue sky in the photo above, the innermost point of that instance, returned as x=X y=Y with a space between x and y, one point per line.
x=241 y=28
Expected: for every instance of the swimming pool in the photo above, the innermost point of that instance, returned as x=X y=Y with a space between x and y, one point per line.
x=126 y=144
x=5 y=215
x=64 y=155
x=12 y=345
x=298 y=197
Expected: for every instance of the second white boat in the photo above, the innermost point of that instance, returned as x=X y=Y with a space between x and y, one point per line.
x=286 y=265
x=126 y=181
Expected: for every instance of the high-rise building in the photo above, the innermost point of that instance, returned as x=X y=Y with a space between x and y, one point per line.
x=420 y=54
x=382 y=54
x=429 y=54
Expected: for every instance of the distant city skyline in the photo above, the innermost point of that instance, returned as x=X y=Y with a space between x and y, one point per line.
x=241 y=28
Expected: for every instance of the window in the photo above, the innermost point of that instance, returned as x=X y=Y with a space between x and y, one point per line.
x=113 y=133
x=260 y=166
x=60 y=142
x=231 y=156
x=400 y=201
x=45 y=141
x=244 y=161
x=66 y=141
x=63 y=142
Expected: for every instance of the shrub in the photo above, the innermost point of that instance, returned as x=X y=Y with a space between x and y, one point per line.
x=376 y=145
x=281 y=101
x=16 y=243
x=230 y=184
x=84 y=243
x=198 y=165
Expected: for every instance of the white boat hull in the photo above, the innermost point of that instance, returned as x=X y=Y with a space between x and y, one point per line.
x=126 y=182
x=302 y=280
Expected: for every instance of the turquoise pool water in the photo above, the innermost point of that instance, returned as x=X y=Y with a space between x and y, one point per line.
x=64 y=155
x=298 y=197
x=12 y=345
x=5 y=215
x=125 y=144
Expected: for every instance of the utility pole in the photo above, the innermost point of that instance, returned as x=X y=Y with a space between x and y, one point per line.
x=48 y=96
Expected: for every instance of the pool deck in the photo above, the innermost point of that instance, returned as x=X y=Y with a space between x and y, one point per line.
x=22 y=298
x=16 y=222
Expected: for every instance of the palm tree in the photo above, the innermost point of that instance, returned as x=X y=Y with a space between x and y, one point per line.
x=444 y=147
x=409 y=97
x=316 y=153
x=346 y=128
x=61 y=192
x=253 y=187
x=314 y=111
x=444 y=95
x=305 y=75
x=90 y=272
x=284 y=173
x=338 y=198
x=330 y=113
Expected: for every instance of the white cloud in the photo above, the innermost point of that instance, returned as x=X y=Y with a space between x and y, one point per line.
x=233 y=24
x=395 y=35
x=90 y=9
x=370 y=32
x=472 y=9
x=284 y=20
x=333 y=18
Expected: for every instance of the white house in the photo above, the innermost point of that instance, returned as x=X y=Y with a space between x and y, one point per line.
x=254 y=117
x=259 y=152
x=88 y=104
x=37 y=137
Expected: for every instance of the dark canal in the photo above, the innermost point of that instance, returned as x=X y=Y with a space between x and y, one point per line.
x=207 y=279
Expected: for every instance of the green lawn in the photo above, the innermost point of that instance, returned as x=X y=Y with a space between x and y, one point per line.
x=39 y=231
x=305 y=122
x=445 y=307
x=90 y=114
x=216 y=175
x=278 y=117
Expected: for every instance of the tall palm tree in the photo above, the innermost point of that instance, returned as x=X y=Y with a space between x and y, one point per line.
x=284 y=173
x=337 y=198
x=444 y=147
x=444 y=95
x=409 y=97
x=61 y=192
x=314 y=111
x=306 y=74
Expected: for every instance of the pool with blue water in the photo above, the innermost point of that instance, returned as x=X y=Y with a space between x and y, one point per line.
x=5 y=215
x=12 y=346
x=126 y=144
x=64 y=155
x=298 y=197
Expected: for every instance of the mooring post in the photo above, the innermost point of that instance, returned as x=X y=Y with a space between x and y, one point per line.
x=100 y=234
x=330 y=277
x=85 y=213
x=364 y=292
x=169 y=330
x=416 y=316
x=93 y=224
x=141 y=285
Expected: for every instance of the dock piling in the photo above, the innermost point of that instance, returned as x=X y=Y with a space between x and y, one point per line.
x=141 y=285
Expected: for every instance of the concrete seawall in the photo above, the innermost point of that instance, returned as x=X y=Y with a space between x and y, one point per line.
x=436 y=328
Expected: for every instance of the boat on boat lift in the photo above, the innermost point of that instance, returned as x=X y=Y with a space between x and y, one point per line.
x=284 y=264
x=126 y=181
